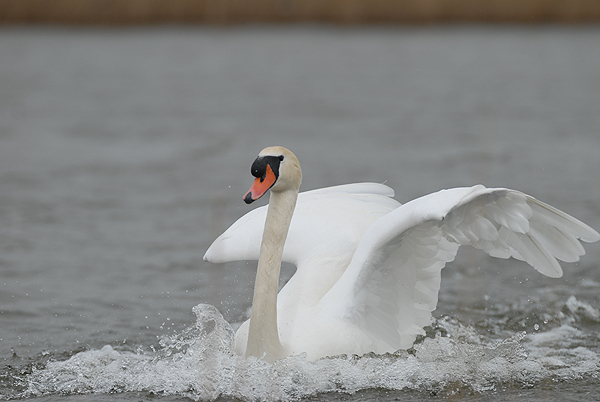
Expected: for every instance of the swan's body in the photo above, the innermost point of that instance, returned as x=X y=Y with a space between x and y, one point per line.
x=368 y=268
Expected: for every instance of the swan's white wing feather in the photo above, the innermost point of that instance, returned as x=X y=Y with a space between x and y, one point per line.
x=507 y=223
x=328 y=221
x=391 y=285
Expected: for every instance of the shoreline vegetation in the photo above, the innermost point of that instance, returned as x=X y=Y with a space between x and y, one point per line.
x=224 y=12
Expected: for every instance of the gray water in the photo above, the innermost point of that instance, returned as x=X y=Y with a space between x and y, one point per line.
x=125 y=152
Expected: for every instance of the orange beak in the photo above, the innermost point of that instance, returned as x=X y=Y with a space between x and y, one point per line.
x=260 y=186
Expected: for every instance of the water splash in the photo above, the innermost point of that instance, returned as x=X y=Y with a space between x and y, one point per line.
x=199 y=363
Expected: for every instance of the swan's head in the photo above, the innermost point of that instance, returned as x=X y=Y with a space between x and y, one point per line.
x=275 y=168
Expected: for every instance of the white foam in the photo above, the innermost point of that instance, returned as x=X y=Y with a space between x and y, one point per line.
x=199 y=363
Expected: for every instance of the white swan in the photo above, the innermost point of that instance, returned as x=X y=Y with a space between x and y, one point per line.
x=368 y=268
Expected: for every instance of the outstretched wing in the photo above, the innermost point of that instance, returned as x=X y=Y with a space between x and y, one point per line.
x=328 y=221
x=391 y=285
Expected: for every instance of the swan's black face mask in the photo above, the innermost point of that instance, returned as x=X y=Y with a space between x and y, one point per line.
x=266 y=171
x=259 y=166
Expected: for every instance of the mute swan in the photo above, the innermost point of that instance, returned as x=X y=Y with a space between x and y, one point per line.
x=368 y=268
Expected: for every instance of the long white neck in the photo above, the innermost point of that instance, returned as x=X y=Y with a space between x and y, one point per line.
x=263 y=335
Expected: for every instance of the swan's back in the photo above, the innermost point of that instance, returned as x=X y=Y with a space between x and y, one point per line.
x=327 y=222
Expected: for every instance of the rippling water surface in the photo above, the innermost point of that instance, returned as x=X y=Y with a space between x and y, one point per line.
x=124 y=153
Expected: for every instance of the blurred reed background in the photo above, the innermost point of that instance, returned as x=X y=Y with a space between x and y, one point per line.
x=124 y=12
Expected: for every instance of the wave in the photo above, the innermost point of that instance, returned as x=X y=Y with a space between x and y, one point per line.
x=199 y=363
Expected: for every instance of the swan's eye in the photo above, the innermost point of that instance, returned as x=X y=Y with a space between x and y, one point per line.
x=281 y=158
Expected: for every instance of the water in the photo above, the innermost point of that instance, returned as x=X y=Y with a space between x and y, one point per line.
x=124 y=153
